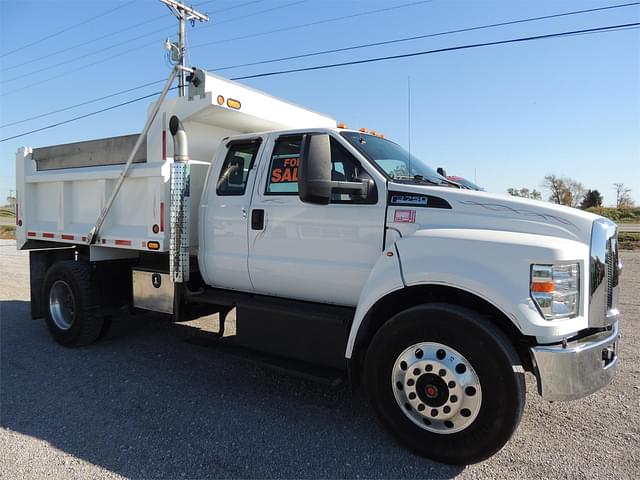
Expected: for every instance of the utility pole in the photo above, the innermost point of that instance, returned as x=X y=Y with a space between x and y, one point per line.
x=183 y=14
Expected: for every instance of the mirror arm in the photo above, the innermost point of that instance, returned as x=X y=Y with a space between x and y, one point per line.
x=350 y=187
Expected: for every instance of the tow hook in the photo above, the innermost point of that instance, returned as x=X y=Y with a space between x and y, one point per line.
x=608 y=354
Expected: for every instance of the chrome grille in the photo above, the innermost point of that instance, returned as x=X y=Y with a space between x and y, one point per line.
x=610 y=265
x=604 y=273
x=612 y=270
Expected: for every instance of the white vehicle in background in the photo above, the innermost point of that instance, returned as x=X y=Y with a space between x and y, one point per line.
x=335 y=250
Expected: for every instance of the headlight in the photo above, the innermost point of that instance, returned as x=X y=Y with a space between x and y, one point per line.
x=555 y=290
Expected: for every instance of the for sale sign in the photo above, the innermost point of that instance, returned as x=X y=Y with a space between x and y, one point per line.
x=285 y=169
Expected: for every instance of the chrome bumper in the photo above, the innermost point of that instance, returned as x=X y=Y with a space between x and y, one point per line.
x=579 y=369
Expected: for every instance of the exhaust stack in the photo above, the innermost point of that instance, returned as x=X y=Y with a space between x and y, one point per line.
x=180 y=207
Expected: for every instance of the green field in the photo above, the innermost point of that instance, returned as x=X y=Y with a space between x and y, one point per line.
x=6 y=212
x=618 y=215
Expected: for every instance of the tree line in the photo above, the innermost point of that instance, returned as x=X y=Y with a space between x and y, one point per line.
x=570 y=192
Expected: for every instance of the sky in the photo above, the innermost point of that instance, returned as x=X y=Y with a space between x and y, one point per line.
x=502 y=116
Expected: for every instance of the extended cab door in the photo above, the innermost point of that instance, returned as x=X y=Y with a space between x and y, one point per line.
x=321 y=253
x=224 y=217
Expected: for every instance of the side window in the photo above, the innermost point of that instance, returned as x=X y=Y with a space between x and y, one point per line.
x=345 y=168
x=235 y=169
x=283 y=169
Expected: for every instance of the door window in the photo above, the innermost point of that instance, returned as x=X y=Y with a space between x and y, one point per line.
x=235 y=169
x=285 y=160
x=283 y=169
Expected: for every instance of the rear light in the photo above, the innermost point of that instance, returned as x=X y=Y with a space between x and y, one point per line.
x=153 y=245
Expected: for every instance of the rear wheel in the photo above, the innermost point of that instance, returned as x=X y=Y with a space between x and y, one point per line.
x=72 y=312
x=441 y=380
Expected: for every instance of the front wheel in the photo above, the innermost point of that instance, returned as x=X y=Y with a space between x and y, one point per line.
x=441 y=380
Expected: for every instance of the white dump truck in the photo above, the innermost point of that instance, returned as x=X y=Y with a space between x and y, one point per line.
x=337 y=249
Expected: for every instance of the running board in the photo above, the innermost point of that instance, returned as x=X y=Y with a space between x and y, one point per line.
x=295 y=368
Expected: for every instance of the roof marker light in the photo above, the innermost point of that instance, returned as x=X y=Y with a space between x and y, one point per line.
x=233 y=103
x=363 y=130
x=342 y=125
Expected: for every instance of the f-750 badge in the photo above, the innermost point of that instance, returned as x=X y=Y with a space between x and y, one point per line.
x=409 y=199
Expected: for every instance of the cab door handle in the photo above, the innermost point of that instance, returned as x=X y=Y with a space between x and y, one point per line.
x=257 y=219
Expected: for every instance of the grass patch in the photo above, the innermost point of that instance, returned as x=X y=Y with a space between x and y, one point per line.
x=6 y=212
x=7 y=232
x=629 y=240
x=618 y=215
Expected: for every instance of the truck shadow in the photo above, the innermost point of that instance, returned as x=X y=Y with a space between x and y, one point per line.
x=145 y=402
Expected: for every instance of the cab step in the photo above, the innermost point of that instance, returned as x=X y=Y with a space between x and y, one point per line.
x=296 y=368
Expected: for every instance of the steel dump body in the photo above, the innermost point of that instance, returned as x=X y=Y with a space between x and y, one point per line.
x=62 y=189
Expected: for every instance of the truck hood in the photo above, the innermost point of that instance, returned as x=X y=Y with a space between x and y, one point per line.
x=441 y=207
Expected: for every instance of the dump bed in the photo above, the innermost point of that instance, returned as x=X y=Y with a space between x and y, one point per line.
x=63 y=188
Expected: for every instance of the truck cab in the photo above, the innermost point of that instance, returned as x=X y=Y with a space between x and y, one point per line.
x=337 y=248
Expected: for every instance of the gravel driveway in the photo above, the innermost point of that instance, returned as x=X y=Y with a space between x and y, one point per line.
x=147 y=403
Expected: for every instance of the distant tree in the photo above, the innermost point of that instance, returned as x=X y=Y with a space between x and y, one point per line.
x=525 y=193
x=623 y=196
x=564 y=190
x=556 y=187
x=591 y=199
x=576 y=192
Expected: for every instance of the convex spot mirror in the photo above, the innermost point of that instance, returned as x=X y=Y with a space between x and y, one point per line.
x=314 y=173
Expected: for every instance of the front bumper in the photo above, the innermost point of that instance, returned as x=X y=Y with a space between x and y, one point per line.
x=576 y=369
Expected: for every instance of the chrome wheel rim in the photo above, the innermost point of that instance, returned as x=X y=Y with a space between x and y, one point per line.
x=62 y=306
x=436 y=387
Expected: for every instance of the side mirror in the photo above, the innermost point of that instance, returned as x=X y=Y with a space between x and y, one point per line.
x=314 y=173
x=442 y=172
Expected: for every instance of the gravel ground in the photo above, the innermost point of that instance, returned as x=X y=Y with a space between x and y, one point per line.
x=145 y=403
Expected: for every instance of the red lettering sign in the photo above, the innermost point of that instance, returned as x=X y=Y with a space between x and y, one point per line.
x=404 y=216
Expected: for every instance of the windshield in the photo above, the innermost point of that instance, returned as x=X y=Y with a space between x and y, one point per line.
x=392 y=159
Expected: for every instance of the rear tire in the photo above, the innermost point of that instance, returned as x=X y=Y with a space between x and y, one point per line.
x=70 y=303
x=441 y=380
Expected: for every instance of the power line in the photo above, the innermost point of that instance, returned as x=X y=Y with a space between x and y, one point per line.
x=440 y=50
x=253 y=14
x=106 y=109
x=324 y=52
x=71 y=107
x=64 y=30
x=618 y=27
x=93 y=40
x=421 y=37
x=119 y=54
x=86 y=42
x=90 y=54
x=310 y=24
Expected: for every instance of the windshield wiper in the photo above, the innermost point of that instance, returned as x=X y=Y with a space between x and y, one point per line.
x=422 y=179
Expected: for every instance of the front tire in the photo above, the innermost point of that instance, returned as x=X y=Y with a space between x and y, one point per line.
x=70 y=304
x=441 y=380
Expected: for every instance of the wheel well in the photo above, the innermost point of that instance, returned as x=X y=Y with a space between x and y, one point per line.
x=400 y=300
